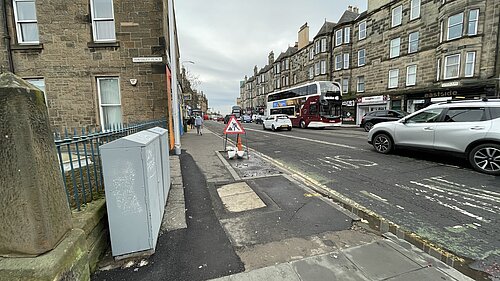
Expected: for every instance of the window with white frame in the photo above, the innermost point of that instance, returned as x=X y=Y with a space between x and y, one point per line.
x=103 y=20
x=287 y=80
x=345 y=85
x=278 y=68
x=323 y=45
x=318 y=47
x=323 y=66
x=438 y=70
x=295 y=79
x=393 y=78
x=473 y=19
x=311 y=53
x=414 y=9
x=441 y=30
x=411 y=75
x=362 y=30
x=311 y=72
x=361 y=57
x=26 y=21
x=360 y=86
x=316 y=69
x=108 y=89
x=413 y=42
x=347 y=34
x=346 y=60
x=397 y=16
x=287 y=64
x=470 y=61
x=338 y=62
x=338 y=37
x=455 y=26
x=278 y=83
x=395 y=47
x=452 y=66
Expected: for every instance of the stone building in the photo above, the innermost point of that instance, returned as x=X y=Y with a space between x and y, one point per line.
x=100 y=63
x=405 y=54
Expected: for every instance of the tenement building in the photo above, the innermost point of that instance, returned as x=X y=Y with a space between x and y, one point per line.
x=99 y=62
x=400 y=54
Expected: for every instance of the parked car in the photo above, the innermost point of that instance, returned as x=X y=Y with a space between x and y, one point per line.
x=259 y=119
x=220 y=119
x=468 y=128
x=276 y=122
x=246 y=118
x=378 y=116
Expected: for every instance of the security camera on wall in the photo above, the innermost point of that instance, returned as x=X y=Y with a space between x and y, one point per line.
x=133 y=82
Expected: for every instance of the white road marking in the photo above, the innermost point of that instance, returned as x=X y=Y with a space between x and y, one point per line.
x=375 y=196
x=310 y=140
x=456 y=196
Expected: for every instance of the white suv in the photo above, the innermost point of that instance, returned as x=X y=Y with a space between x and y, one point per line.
x=470 y=128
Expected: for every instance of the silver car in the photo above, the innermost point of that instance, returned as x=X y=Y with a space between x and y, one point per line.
x=276 y=122
x=469 y=128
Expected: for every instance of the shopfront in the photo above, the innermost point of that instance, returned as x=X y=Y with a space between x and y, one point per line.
x=367 y=104
x=448 y=91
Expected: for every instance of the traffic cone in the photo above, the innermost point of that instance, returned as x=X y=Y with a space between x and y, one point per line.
x=239 y=145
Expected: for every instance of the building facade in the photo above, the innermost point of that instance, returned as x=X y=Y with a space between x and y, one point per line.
x=99 y=62
x=405 y=54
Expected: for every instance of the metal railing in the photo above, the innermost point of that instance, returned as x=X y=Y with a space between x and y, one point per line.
x=80 y=159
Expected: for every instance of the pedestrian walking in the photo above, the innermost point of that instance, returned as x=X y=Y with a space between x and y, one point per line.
x=198 y=123
x=191 y=122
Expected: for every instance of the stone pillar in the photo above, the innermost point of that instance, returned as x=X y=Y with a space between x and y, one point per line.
x=34 y=213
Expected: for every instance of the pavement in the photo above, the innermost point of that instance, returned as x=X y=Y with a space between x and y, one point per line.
x=245 y=219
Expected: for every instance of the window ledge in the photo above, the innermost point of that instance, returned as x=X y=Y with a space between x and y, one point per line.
x=115 y=44
x=27 y=47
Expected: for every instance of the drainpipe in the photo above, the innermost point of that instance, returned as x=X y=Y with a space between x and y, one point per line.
x=6 y=35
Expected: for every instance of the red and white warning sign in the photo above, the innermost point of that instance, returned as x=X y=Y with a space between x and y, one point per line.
x=233 y=127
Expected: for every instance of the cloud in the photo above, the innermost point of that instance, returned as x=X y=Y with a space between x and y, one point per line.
x=226 y=38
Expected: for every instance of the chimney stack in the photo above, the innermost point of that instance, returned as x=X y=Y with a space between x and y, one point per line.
x=349 y=8
x=270 y=58
x=303 y=36
x=355 y=9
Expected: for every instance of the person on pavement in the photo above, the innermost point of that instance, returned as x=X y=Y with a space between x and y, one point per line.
x=191 y=119
x=198 y=123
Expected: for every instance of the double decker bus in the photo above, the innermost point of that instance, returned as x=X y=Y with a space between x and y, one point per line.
x=312 y=105
x=236 y=110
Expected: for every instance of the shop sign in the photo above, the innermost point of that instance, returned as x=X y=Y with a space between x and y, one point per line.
x=348 y=103
x=440 y=94
x=374 y=99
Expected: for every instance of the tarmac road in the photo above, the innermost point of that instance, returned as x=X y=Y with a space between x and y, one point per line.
x=438 y=197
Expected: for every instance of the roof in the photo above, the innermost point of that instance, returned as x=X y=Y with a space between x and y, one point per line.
x=290 y=51
x=348 y=16
x=327 y=28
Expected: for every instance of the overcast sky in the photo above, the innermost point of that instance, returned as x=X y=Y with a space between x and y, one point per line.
x=226 y=38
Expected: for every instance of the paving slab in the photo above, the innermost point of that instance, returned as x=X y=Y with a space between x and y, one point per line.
x=242 y=202
x=281 y=272
x=379 y=261
x=332 y=266
x=234 y=188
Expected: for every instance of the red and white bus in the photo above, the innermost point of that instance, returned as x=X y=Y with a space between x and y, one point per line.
x=312 y=105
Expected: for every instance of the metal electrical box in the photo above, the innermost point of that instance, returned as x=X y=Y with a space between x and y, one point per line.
x=165 y=159
x=135 y=200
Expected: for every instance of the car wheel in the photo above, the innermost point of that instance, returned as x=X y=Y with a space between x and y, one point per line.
x=485 y=158
x=368 y=126
x=273 y=128
x=289 y=128
x=303 y=124
x=382 y=143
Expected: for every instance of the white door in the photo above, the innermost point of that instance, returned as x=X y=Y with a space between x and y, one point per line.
x=418 y=130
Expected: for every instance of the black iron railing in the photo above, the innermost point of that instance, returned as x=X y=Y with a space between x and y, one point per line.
x=80 y=159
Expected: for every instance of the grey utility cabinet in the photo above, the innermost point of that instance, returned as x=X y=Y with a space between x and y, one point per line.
x=165 y=158
x=134 y=192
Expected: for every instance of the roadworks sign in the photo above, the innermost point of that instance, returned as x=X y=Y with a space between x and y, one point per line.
x=233 y=127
